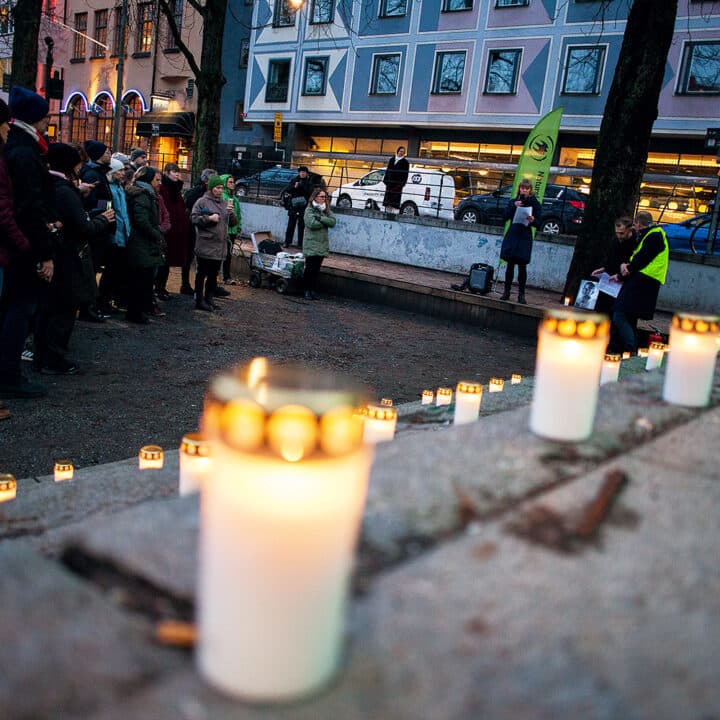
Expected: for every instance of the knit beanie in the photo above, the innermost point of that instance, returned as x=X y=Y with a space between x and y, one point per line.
x=95 y=149
x=214 y=181
x=136 y=153
x=124 y=159
x=27 y=105
x=63 y=158
x=206 y=174
x=115 y=165
x=4 y=112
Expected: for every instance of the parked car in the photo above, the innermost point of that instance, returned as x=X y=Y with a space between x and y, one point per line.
x=268 y=183
x=563 y=208
x=427 y=192
x=680 y=234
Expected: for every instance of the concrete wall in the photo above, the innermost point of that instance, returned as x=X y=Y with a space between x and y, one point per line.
x=693 y=282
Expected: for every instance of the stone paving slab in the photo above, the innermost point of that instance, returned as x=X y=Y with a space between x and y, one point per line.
x=66 y=650
x=493 y=626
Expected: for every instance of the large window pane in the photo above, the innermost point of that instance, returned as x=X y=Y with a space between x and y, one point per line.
x=449 y=70
x=386 y=69
x=457 y=5
x=283 y=15
x=701 y=68
x=315 y=74
x=278 y=81
x=322 y=11
x=393 y=8
x=502 y=71
x=583 y=70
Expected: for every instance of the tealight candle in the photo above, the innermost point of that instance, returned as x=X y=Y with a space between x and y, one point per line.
x=443 y=396
x=691 y=362
x=655 y=355
x=496 y=385
x=567 y=301
x=380 y=424
x=570 y=352
x=195 y=462
x=467 y=402
x=150 y=457
x=427 y=397
x=386 y=402
x=8 y=487
x=643 y=352
x=515 y=379
x=610 y=371
x=278 y=527
x=63 y=470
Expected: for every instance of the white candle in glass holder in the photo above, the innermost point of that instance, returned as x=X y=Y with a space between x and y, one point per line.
x=443 y=396
x=468 y=396
x=655 y=355
x=386 y=402
x=150 y=457
x=496 y=385
x=691 y=360
x=63 y=470
x=278 y=527
x=610 y=371
x=567 y=301
x=379 y=424
x=195 y=462
x=626 y=355
x=570 y=353
x=427 y=397
x=515 y=379
x=643 y=352
x=8 y=487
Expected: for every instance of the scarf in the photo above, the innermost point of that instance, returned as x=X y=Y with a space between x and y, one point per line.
x=318 y=206
x=34 y=134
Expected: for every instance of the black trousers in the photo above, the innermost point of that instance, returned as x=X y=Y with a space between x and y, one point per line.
x=228 y=259
x=206 y=278
x=141 y=297
x=510 y=273
x=114 y=281
x=54 y=324
x=161 y=277
x=312 y=272
x=295 y=218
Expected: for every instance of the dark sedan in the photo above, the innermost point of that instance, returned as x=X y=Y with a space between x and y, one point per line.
x=563 y=209
x=265 y=184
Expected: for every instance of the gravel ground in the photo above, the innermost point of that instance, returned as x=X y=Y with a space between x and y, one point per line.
x=145 y=384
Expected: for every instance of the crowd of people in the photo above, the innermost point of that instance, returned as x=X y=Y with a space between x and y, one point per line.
x=70 y=213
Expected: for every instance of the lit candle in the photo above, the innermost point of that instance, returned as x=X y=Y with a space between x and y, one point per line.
x=150 y=457
x=691 y=362
x=63 y=470
x=195 y=462
x=626 y=355
x=8 y=487
x=567 y=301
x=278 y=526
x=610 y=371
x=569 y=358
x=427 y=397
x=643 y=352
x=386 y=402
x=443 y=396
x=379 y=424
x=496 y=385
x=515 y=379
x=467 y=402
x=655 y=355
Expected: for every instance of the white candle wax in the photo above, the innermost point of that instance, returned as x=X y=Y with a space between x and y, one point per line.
x=496 y=385
x=379 y=424
x=515 y=379
x=63 y=470
x=655 y=356
x=195 y=462
x=150 y=457
x=8 y=487
x=610 y=371
x=467 y=403
x=427 y=397
x=691 y=361
x=443 y=396
x=569 y=359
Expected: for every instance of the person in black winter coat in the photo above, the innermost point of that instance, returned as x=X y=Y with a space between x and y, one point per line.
x=516 y=246
x=396 y=177
x=295 y=197
x=73 y=282
x=621 y=249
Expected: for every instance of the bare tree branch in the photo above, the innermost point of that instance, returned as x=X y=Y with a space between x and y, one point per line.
x=167 y=11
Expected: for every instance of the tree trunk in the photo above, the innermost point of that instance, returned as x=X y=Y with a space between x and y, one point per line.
x=26 y=17
x=624 y=139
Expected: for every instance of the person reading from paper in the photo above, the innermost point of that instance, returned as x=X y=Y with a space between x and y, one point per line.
x=524 y=212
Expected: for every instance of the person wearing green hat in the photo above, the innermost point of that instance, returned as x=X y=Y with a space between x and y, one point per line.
x=234 y=231
x=212 y=216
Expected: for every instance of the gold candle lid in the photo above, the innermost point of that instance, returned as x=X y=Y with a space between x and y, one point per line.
x=151 y=452
x=386 y=402
x=497 y=381
x=657 y=346
x=612 y=357
x=575 y=325
x=373 y=412
x=195 y=444
x=287 y=410
x=472 y=388
x=7 y=482
x=701 y=324
x=444 y=391
x=427 y=393
x=63 y=465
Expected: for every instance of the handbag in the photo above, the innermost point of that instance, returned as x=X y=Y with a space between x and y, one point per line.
x=298 y=203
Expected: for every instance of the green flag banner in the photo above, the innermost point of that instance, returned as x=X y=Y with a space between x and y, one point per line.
x=537 y=154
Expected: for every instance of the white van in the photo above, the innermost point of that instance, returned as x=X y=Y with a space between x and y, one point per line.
x=427 y=192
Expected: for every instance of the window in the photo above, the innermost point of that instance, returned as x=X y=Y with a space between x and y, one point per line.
x=239 y=120
x=502 y=72
x=6 y=19
x=117 y=45
x=322 y=11
x=393 y=8
x=583 y=70
x=79 y=39
x=385 y=74
x=449 y=70
x=315 y=76
x=457 y=5
x=144 y=39
x=284 y=16
x=101 y=29
x=178 y=8
x=133 y=107
x=278 y=81
x=244 y=52
x=511 y=3
x=700 y=72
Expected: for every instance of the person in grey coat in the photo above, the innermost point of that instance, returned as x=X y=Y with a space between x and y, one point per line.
x=211 y=216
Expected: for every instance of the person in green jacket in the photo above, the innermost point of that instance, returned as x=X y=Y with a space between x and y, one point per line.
x=233 y=230
x=316 y=245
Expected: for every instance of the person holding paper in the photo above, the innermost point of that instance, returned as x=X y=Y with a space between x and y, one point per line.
x=622 y=247
x=524 y=212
